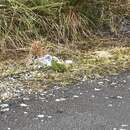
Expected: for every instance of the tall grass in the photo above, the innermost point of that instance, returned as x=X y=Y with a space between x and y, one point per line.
x=17 y=24
x=60 y=21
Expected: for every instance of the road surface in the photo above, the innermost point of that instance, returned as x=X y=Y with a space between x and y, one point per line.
x=100 y=104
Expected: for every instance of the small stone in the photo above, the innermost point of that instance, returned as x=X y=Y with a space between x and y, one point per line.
x=106 y=97
x=26 y=98
x=60 y=99
x=23 y=105
x=124 y=125
x=109 y=105
x=25 y=112
x=5 y=109
x=124 y=81
x=40 y=116
x=68 y=61
x=93 y=96
x=119 y=97
x=114 y=128
x=49 y=116
x=113 y=83
x=4 y=105
x=97 y=89
x=75 y=96
x=100 y=83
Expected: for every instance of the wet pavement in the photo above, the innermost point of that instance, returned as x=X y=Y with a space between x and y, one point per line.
x=100 y=104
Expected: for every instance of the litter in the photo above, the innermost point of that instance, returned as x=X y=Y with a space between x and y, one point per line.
x=52 y=62
x=68 y=61
x=47 y=60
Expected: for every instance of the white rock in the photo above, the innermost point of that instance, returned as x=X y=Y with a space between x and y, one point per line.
x=40 y=116
x=97 y=89
x=60 y=99
x=68 y=62
x=49 y=116
x=5 y=109
x=119 y=97
x=114 y=128
x=23 y=105
x=4 y=105
x=26 y=98
x=93 y=96
x=124 y=125
x=75 y=96
x=25 y=112
x=109 y=105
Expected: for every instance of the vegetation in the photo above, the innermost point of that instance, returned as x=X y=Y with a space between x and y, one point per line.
x=69 y=29
x=59 y=21
x=90 y=65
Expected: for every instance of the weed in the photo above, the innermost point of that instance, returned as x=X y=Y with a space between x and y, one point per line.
x=59 y=21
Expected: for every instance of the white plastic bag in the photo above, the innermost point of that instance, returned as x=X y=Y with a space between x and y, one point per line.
x=46 y=60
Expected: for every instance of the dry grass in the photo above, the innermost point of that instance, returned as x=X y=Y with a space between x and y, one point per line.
x=67 y=22
x=99 y=62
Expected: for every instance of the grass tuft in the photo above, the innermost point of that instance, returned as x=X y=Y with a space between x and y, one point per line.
x=58 y=21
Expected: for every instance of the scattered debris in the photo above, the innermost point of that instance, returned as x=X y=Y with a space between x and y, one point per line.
x=49 y=117
x=40 y=116
x=60 y=99
x=26 y=99
x=68 y=62
x=113 y=83
x=46 y=60
x=23 y=105
x=4 y=107
x=114 y=128
x=75 y=96
x=124 y=125
x=119 y=97
x=106 y=97
x=97 y=89
x=5 y=95
x=100 y=83
x=109 y=105
x=53 y=62
x=93 y=96
x=25 y=112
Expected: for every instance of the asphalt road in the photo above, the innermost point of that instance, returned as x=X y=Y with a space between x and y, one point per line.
x=100 y=104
